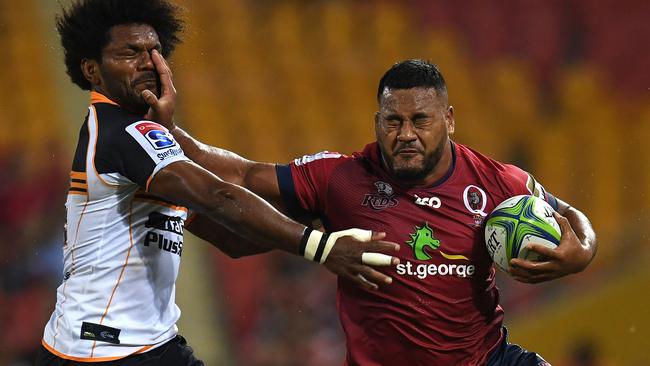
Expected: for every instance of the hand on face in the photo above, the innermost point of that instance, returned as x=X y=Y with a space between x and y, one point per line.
x=127 y=67
x=161 y=109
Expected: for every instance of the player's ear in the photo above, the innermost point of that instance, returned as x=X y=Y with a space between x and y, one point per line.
x=449 y=119
x=90 y=69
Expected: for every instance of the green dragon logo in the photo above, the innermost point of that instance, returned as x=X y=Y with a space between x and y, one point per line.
x=423 y=238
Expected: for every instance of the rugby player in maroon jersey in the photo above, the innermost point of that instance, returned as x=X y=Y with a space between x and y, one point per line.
x=425 y=191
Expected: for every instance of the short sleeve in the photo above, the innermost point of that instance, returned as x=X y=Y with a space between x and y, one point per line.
x=303 y=183
x=138 y=151
x=521 y=182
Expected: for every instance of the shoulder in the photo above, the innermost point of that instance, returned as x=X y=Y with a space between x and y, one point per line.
x=487 y=165
x=315 y=171
x=111 y=117
x=500 y=176
x=123 y=138
x=116 y=127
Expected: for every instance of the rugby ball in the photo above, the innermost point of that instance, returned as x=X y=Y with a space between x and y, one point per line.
x=517 y=222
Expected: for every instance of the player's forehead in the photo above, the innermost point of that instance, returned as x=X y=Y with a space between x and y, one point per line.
x=409 y=100
x=133 y=35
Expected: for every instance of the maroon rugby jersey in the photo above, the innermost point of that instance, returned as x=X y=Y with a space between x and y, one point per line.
x=443 y=305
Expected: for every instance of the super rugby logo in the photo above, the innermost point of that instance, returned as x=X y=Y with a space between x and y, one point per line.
x=157 y=136
x=382 y=199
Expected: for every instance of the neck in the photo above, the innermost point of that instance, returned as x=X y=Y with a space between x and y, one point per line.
x=98 y=93
x=442 y=167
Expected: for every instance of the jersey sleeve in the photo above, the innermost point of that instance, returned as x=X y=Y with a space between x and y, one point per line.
x=303 y=183
x=141 y=150
x=522 y=182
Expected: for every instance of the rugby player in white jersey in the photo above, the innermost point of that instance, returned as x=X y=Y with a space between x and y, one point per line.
x=131 y=190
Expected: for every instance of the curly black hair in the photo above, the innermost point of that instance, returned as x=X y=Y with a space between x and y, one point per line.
x=412 y=74
x=84 y=28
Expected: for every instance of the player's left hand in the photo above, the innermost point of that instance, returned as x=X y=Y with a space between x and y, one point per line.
x=161 y=109
x=570 y=256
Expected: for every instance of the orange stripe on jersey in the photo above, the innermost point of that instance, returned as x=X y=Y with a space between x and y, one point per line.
x=96 y=97
x=81 y=193
x=78 y=175
x=78 y=185
x=143 y=196
x=119 y=278
x=146 y=186
x=191 y=218
x=94 y=359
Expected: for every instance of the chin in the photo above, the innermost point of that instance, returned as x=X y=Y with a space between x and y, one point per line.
x=409 y=173
x=152 y=88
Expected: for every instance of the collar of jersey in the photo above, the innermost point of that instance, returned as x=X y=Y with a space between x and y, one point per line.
x=372 y=153
x=97 y=97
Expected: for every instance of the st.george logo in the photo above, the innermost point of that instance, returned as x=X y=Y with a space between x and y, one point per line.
x=156 y=135
x=424 y=245
x=422 y=239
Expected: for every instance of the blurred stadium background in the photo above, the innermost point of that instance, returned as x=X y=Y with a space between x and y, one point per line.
x=560 y=87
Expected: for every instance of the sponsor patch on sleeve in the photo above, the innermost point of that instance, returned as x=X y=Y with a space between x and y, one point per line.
x=321 y=155
x=155 y=140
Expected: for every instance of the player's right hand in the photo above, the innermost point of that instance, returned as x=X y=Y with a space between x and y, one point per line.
x=161 y=109
x=346 y=259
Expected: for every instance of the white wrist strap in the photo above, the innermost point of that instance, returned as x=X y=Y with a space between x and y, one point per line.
x=316 y=246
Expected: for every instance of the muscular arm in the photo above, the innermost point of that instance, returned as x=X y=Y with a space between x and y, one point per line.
x=232 y=206
x=255 y=176
x=223 y=239
x=258 y=177
x=249 y=216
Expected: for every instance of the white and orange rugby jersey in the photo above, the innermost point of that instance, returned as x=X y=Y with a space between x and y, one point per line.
x=123 y=246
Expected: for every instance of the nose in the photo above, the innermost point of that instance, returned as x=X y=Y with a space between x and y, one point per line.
x=406 y=132
x=146 y=62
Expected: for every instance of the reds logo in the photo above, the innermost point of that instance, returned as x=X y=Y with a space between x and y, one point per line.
x=156 y=135
x=382 y=199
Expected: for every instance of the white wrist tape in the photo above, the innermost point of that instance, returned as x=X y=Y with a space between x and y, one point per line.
x=317 y=246
x=314 y=244
x=376 y=259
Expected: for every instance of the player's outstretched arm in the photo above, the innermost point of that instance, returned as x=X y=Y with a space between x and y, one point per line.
x=347 y=254
x=578 y=246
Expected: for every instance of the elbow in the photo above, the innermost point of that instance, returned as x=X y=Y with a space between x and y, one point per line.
x=223 y=205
